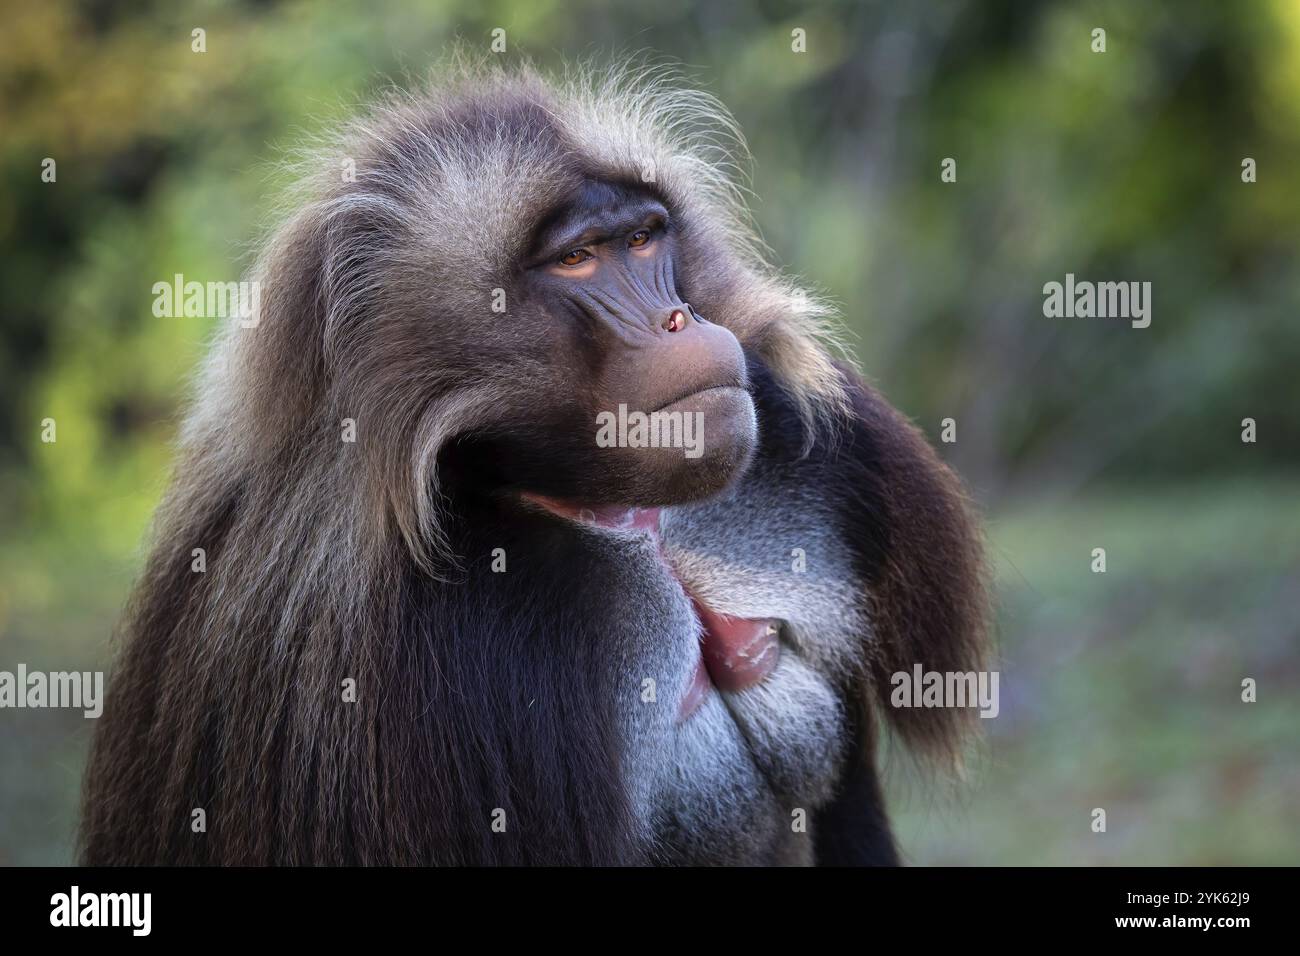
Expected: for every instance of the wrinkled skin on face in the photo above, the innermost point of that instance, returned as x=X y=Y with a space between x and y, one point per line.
x=601 y=282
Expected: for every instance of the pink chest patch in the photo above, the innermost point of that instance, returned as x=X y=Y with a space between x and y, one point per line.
x=735 y=652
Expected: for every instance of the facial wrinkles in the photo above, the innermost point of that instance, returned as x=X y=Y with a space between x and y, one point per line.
x=632 y=308
x=665 y=281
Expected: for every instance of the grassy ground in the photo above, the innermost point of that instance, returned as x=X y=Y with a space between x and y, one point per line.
x=1118 y=690
x=1123 y=690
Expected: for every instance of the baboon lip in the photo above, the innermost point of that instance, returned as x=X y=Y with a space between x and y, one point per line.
x=735 y=652
x=701 y=393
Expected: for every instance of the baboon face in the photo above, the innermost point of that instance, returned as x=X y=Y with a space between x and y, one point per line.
x=602 y=285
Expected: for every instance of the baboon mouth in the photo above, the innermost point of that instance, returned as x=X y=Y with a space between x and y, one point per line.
x=614 y=517
x=698 y=396
x=735 y=652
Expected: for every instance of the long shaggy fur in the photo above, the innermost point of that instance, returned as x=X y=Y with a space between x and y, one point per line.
x=329 y=560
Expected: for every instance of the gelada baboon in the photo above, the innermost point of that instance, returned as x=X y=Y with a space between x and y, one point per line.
x=447 y=612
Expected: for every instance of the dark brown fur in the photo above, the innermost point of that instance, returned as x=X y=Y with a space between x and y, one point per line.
x=329 y=561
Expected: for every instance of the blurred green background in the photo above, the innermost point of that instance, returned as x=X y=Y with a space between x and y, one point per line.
x=1119 y=690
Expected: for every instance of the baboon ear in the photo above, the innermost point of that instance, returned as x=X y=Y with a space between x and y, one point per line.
x=921 y=554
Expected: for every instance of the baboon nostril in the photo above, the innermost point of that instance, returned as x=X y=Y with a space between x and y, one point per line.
x=675 y=322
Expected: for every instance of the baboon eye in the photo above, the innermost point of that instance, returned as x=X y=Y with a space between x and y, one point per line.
x=639 y=238
x=574 y=258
